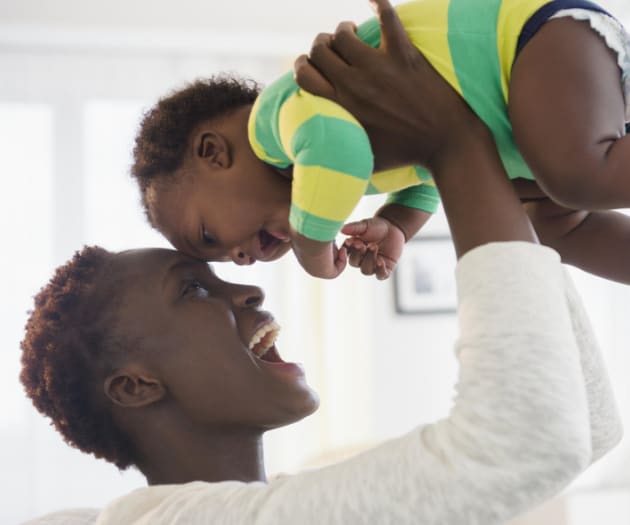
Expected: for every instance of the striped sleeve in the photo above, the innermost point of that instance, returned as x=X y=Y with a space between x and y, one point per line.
x=410 y=186
x=332 y=163
x=424 y=197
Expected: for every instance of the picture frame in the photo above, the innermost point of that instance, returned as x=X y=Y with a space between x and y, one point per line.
x=424 y=279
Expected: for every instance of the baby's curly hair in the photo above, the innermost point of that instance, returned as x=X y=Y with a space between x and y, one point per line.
x=67 y=348
x=166 y=128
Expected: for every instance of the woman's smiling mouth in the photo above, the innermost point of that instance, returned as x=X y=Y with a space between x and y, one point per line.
x=262 y=343
x=262 y=346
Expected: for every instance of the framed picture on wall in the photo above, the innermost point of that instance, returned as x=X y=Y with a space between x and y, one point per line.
x=424 y=279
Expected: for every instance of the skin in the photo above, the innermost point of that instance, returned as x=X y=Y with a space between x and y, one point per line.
x=569 y=121
x=572 y=142
x=575 y=145
x=197 y=213
x=191 y=386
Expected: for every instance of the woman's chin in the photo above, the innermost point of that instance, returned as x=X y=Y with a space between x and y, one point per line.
x=301 y=407
x=305 y=404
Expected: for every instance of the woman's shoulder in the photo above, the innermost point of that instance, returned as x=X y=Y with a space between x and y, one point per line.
x=79 y=516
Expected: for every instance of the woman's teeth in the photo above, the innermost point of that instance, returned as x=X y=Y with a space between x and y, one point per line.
x=264 y=338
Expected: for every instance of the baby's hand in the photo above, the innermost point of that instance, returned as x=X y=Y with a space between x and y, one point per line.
x=320 y=259
x=375 y=246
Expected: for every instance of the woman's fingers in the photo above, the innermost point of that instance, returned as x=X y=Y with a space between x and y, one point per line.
x=347 y=28
x=347 y=44
x=393 y=35
x=308 y=77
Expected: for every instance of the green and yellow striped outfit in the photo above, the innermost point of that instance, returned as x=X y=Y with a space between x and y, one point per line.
x=471 y=43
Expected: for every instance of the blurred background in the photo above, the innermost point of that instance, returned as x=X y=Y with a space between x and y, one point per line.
x=75 y=77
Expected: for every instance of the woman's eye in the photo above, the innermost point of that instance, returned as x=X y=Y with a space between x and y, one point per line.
x=195 y=288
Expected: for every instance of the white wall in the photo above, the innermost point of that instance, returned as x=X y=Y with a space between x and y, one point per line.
x=186 y=15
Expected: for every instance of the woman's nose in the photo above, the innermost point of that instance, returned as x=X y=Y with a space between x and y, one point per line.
x=239 y=256
x=245 y=295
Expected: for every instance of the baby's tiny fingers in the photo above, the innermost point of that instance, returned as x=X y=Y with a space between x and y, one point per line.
x=368 y=264
x=382 y=271
x=355 y=228
x=342 y=260
x=342 y=254
x=355 y=257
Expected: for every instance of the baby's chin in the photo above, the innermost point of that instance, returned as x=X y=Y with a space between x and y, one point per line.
x=272 y=246
x=281 y=251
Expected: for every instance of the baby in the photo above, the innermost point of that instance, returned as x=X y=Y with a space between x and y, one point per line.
x=228 y=173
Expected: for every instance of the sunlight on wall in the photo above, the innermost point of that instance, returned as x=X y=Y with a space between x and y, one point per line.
x=114 y=217
x=26 y=219
x=26 y=205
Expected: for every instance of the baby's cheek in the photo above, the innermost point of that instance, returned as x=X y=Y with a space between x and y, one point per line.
x=283 y=251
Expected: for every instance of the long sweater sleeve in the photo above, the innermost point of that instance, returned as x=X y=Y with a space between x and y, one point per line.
x=605 y=422
x=518 y=433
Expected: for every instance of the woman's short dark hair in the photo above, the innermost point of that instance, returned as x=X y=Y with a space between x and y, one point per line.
x=66 y=351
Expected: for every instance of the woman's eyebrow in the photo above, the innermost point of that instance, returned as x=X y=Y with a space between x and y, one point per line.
x=183 y=263
x=174 y=268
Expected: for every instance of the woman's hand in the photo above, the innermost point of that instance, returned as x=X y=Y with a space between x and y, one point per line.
x=414 y=117
x=425 y=118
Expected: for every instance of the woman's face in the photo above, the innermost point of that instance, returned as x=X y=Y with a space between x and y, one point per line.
x=201 y=337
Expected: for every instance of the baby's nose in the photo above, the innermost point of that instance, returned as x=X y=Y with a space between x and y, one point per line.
x=241 y=258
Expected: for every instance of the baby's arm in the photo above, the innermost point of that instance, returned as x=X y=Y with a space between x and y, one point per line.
x=320 y=259
x=567 y=111
x=593 y=241
x=566 y=107
x=332 y=163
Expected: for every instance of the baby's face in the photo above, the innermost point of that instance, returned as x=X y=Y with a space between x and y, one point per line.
x=241 y=214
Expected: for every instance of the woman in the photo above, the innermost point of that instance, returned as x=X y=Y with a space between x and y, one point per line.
x=146 y=358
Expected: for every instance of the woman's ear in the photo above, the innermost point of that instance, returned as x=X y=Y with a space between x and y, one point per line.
x=132 y=390
x=214 y=149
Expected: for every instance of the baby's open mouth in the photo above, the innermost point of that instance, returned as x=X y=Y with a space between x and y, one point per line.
x=268 y=243
x=262 y=343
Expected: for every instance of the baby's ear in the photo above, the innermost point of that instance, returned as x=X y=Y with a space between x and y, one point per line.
x=214 y=149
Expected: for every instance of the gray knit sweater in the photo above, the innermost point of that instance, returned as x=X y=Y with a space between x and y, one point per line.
x=533 y=409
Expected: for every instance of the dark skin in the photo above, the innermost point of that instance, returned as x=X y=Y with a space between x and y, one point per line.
x=192 y=397
x=572 y=140
x=582 y=163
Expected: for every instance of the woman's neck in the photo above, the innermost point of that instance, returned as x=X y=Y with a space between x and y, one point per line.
x=212 y=457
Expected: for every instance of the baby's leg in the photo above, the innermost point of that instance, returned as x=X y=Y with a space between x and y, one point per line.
x=596 y=241
x=567 y=109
